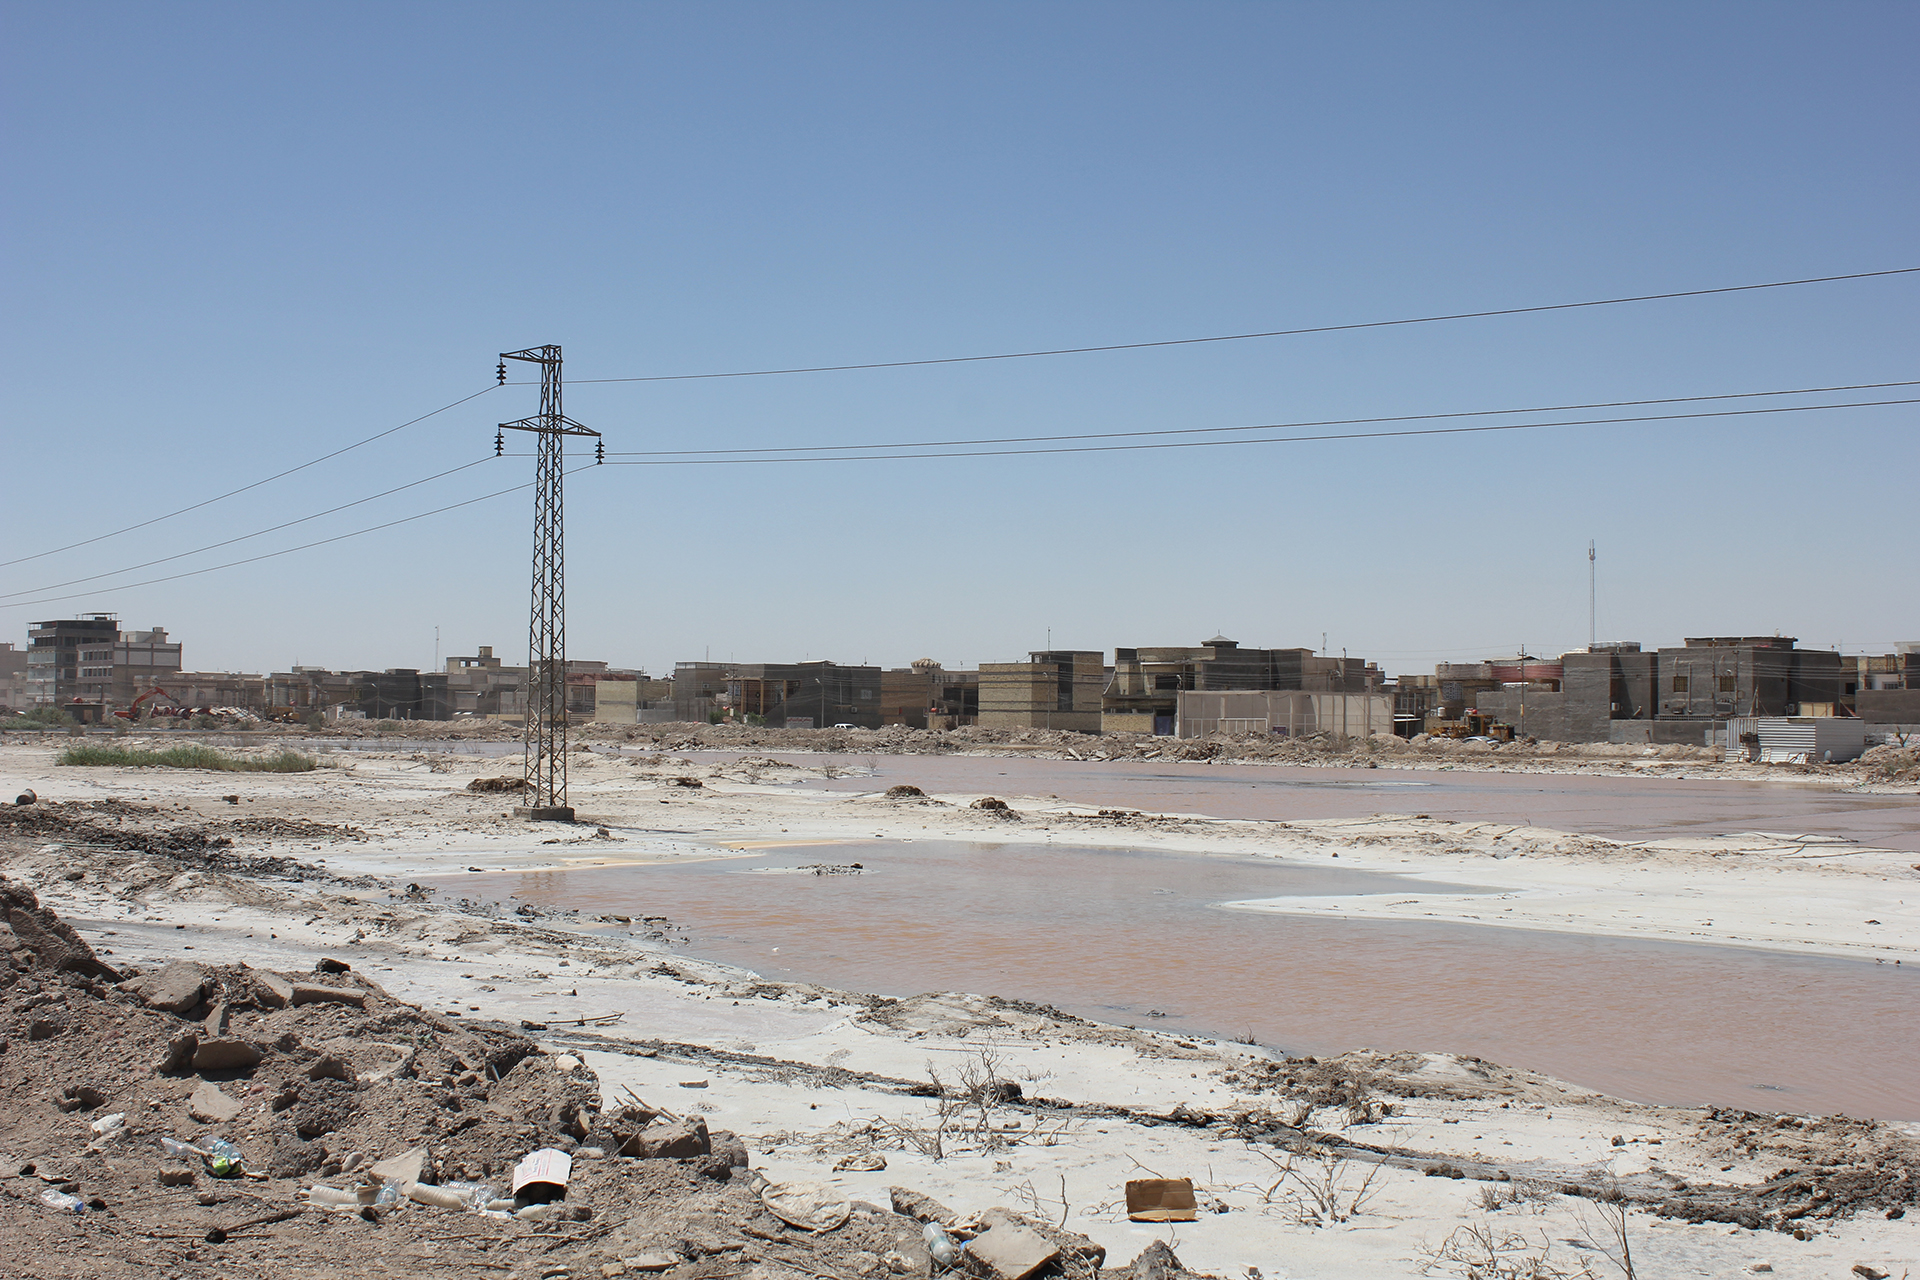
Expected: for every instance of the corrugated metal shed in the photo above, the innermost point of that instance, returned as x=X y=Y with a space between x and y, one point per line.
x=1810 y=739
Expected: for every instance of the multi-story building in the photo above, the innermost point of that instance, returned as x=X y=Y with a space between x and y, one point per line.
x=1620 y=693
x=927 y=695
x=142 y=660
x=802 y=694
x=1144 y=695
x=70 y=660
x=13 y=679
x=482 y=685
x=1053 y=689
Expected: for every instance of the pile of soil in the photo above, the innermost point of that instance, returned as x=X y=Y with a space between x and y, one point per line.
x=317 y=1077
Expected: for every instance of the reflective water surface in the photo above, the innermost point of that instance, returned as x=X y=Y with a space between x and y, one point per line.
x=1124 y=936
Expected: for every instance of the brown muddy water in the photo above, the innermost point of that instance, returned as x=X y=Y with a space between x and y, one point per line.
x=1640 y=807
x=1138 y=938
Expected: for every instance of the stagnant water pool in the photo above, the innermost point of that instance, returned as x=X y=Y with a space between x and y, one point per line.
x=1136 y=937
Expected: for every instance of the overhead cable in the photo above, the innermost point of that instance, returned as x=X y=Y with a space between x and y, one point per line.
x=1241 y=337
x=305 y=546
x=207 y=502
x=1323 y=422
x=1209 y=444
x=214 y=546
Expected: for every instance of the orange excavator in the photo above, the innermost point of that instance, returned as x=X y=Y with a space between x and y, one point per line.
x=133 y=710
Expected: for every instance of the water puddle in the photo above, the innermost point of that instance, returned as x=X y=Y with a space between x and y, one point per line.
x=1138 y=937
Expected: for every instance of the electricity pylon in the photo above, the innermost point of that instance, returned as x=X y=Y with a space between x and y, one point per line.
x=546 y=766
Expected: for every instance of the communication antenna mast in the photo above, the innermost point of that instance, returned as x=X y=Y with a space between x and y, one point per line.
x=1591 y=597
x=546 y=761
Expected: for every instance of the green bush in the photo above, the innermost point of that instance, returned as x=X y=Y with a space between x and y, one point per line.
x=187 y=757
x=53 y=717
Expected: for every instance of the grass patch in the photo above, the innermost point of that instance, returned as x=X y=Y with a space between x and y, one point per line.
x=191 y=756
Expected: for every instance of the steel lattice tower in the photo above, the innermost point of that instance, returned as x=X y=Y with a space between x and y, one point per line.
x=546 y=763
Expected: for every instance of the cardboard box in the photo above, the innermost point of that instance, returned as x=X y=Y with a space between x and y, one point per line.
x=1160 y=1200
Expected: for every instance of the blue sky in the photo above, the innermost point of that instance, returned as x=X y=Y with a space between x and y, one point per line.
x=241 y=236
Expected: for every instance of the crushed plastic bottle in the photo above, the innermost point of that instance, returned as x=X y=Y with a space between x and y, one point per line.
x=476 y=1195
x=223 y=1159
x=109 y=1124
x=180 y=1150
x=62 y=1202
x=940 y=1245
x=390 y=1194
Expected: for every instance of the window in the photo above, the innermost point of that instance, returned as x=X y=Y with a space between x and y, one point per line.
x=1679 y=684
x=1728 y=684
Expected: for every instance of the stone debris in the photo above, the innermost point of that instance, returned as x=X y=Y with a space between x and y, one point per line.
x=209 y=1105
x=1011 y=1252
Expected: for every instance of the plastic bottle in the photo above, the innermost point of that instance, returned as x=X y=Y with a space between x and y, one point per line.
x=179 y=1150
x=63 y=1202
x=333 y=1196
x=438 y=1197
x=475 y=1195
x=223 y=1159
x=940 y=1245
x=388 y=1197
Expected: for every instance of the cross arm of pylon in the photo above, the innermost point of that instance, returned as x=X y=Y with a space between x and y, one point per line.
x=560 y=425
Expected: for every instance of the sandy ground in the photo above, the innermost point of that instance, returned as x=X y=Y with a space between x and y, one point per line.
x=811 y=1077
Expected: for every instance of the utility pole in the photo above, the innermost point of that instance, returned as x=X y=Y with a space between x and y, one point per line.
x=546 y=758
x=1591 y=598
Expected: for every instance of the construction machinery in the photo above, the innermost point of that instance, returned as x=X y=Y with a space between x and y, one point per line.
x=133 y=709
x=1471 y=724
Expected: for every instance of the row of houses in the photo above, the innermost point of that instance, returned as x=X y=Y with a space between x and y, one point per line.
x=1609 y=692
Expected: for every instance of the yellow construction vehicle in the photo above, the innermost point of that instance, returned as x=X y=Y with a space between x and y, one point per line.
x=1471 y=724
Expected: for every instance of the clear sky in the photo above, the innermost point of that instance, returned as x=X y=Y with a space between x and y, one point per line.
x=240 y=236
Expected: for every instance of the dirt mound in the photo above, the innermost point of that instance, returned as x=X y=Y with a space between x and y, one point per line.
x=321 y=1077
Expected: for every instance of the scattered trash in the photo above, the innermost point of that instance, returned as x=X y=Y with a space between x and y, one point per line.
x=224 y=1160
x=542 y=1176
x=940 y=1246
x=63 y=1202
x=1161 y=1200
x=810 y=1206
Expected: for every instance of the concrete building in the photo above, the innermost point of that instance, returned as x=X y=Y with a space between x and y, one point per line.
x=1056 y=689
x=698 y=688
x=13 y=679
x=927 y=695
x=142 y=660
x=1143 y=696
x=1291 y=713
x=635 y=701
x=802 y=695
x=70 y=660
x=482 y=685
x=1619 y=693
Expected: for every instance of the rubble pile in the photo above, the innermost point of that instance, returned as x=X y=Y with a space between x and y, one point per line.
x=221 y=1119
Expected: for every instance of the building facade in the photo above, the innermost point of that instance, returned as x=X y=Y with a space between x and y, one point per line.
x=70 y=660
x=1144 y=694
x=1053 y=689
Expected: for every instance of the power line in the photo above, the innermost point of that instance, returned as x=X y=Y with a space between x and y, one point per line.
x=1208 y=444
x=214 y=546
x=1324 y=422
x=191 y=573
x=1272 y=333
x=245 y=487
